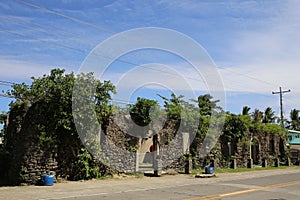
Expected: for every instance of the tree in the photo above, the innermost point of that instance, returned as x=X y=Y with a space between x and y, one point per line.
x=257 y=116
x=269 y=116
x=140 y=111
x=246 y=110
x=173 y=106
x=207 y=105
x=3 y=117
x=234 y=128
x=295 y=119
x=210 y=121
x=51 y=113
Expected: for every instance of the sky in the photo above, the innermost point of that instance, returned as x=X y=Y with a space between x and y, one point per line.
x=254 y=45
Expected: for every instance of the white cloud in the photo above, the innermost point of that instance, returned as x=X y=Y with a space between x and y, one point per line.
x=257 y=42
x=261 y=77
x=174 y=76
x=15 y=70
x=180 y=78
x=264 y=56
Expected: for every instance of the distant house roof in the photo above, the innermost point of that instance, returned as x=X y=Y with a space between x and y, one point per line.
x=294 y=137
x=293 y=131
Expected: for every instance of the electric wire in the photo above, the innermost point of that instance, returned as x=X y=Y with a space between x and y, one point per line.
x=65 y=16
x=110 y=31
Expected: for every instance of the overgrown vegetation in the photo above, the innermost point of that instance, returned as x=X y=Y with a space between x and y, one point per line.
x=46 y=107
x=48 y=103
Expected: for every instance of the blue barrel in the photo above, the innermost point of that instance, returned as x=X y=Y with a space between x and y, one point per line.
x=47 y=180
x=209 y=169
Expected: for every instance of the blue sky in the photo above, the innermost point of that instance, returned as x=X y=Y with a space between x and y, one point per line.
x=255 y=44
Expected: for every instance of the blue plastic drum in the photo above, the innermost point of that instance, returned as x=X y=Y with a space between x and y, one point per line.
x=209 y=169
x=47 y=180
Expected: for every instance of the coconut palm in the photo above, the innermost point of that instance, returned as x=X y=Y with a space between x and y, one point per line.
x=257 y=116
x=246 y=110
x=295 y=119
x=269 y=116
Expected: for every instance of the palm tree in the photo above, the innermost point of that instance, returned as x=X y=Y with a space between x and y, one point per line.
x=269 y=116
x=257 y=116
x=295 y=119
x=246 y=110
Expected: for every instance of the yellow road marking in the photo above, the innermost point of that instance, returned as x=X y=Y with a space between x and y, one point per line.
x=215 y=196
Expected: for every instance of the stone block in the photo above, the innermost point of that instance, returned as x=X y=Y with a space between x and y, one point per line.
x=233 y=164
x=250 y=163
x=276 y=162
x=264 y=162
x=188 y=166
x=288 y=162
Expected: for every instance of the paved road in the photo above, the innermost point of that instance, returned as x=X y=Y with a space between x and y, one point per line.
x=270 y=185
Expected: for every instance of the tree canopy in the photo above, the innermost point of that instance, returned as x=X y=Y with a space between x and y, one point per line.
x=140 y=111
x=269 y=116
x=49 y=103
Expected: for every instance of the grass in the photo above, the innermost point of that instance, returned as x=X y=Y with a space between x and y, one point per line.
x=199 y=171
x=244 y=169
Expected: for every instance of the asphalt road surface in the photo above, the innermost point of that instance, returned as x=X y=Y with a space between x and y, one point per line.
x=269 y=185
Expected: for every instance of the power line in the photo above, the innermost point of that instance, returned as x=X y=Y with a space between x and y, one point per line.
x=6 y=95
x=86 y=51
x=88 y=24
x=111 y=31
x=7 y=82
x=34 y=29
x=124 y=61
x=250 y=77
x=102 y=29
x=65 y=16
x=4 y=84
x=42 y=40
x=33 y=23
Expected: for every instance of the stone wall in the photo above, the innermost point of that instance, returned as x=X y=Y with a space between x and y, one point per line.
x=29 y=158
x=119 y=146
x=33 y=164
x=263 y=146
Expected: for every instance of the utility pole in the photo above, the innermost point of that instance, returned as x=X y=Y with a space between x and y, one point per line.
x=281 y=106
